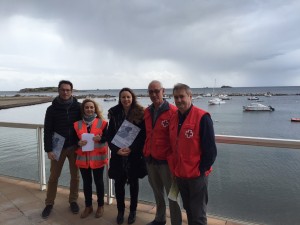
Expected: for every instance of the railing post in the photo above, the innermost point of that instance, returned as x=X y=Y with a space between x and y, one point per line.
x=41 y=158
x=109 y=183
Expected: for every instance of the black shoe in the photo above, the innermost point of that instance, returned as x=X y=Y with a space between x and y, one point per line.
x=46 y=212
x=154 y=222
x=120 y=217
x=74 y=207
x=131 y=217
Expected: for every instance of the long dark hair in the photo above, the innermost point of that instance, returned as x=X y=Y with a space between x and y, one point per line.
x=136 y=113
x=134 y=102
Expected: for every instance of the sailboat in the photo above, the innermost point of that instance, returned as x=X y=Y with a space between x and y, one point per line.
x=215 y=101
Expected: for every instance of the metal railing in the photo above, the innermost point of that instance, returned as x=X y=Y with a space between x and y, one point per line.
x=40 y=151
x=238 y=140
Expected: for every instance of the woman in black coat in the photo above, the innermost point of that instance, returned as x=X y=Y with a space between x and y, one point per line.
x=127 y=164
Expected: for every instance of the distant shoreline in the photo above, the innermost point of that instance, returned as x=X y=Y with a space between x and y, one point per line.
x=19 y=100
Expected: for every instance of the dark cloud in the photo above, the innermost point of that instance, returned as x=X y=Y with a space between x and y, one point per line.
x=239 y=43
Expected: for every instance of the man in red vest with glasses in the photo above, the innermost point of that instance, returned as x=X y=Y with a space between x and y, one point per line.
x=157 y=148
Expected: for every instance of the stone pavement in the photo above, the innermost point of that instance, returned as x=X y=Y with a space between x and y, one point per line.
x=21 y=202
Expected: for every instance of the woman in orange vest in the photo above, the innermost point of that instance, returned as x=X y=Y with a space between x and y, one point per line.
x=91 y=161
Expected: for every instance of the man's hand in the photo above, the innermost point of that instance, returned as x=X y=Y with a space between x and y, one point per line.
x=51 y=155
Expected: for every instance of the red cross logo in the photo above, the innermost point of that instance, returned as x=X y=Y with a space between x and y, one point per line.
x=189 y=133
x=165 y=123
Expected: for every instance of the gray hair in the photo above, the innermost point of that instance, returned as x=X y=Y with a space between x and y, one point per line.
x=156 y=81
x=180 y=86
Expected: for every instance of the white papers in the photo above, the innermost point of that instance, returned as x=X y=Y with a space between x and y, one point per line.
x=90 y=145
x=125 y=135
x=57 y=144
x=174 y=191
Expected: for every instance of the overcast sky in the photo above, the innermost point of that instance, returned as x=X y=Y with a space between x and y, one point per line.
x=112 y=44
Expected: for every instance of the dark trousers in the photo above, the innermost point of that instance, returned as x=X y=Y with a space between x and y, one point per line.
x=87 y=185
x=120 y=192
x=194 y=198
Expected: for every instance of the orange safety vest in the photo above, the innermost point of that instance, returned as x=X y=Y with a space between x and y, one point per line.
x=157 y=142
x=186 y=149
x=98 y=157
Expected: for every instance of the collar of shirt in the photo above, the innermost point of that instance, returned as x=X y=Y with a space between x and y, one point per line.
x=181 y=117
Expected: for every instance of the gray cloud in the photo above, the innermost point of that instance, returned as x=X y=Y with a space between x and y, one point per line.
x=123 y=43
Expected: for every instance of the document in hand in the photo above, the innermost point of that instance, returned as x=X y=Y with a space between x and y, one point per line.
x=126 y=134
x=57 y=144
x=90 y=145
x=174 y=191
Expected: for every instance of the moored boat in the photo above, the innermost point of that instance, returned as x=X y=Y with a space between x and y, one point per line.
x=253 y=98
x=224 y=97
x=216 y=101
x=110 y=99
x=166 y=97
x=258 y=107
x=295 y=119
x=197 y=97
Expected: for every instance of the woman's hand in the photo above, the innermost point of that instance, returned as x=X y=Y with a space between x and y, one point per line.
x=82 y=143
x=97 y=137
x=124 y=151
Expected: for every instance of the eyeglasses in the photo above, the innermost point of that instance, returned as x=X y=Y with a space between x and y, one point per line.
x=65 y=90
x=154 y=91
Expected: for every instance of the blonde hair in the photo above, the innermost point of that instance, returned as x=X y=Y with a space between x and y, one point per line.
x=97 y=109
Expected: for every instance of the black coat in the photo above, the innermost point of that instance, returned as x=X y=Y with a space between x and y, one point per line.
x=132 y=166
x=60 y=118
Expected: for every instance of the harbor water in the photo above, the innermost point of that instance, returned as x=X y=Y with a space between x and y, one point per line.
x=254 y=184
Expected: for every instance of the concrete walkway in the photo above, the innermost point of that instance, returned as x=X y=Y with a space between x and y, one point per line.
x=21 y=202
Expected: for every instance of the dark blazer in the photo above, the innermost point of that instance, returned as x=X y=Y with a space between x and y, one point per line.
x=134 y=165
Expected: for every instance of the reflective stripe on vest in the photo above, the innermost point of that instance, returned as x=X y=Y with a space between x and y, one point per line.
x=99 y=145
x=92 y=158
x=99 y=124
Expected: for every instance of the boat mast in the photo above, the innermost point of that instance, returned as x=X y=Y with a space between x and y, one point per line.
x=213 y=93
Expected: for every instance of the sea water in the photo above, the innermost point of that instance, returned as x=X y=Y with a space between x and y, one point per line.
x=248 y=183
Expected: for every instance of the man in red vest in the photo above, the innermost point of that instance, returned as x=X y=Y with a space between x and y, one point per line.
x=157 y=148
x=193 y=153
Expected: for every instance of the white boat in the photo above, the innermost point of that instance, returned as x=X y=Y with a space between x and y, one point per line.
x=224 y=97
x=166 y=97
x=253 y=98
x=258 y=107
x=207 y=95
x=268 y=94
x=110 y=99
x=216 y=101
x=197 y=97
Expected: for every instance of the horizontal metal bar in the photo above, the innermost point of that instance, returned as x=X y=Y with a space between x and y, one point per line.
x=226 y=139
x=258 y=141
x=21 y=125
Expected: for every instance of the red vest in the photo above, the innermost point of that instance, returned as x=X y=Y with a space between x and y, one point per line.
x=98 y=157
x=157 y=142
x=186 y=149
